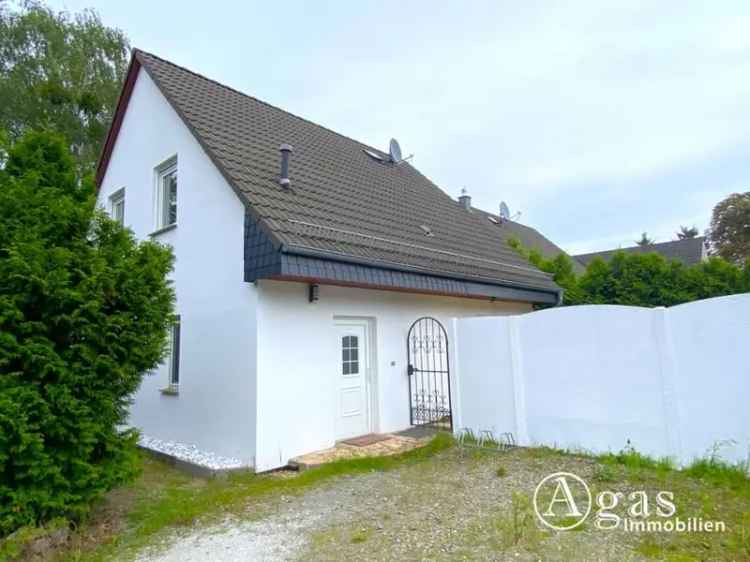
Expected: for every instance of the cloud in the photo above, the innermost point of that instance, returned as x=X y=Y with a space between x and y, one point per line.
x=613 y=113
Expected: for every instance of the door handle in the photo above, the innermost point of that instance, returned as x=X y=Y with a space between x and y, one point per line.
x=410 y=370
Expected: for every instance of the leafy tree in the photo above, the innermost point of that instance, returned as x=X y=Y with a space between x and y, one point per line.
x=561 y=268
x=641 y=279
x=60 y=72
x=716 y=277
x=686 y=232
x=729 y=233
x=84 y=312
x=645 y=240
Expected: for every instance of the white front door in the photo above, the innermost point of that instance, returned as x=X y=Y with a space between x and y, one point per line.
x=352 y=369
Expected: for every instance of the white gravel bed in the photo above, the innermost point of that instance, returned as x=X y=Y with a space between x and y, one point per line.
x=274 y=540
x=191 y=453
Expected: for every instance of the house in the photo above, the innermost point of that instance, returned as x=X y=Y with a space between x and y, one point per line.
x=530 y=238
x=304 y=261
x=688 y=250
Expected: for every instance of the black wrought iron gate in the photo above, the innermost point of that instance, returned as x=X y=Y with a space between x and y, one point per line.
x=429 y=374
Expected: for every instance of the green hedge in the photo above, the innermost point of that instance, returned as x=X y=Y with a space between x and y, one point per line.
x=641 y=279
x=84 y=312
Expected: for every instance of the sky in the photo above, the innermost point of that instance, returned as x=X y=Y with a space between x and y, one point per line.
x=595 y=120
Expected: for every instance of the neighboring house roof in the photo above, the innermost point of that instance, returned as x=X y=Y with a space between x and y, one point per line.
x=343 y=205
x=689 y=251
x=530 y=238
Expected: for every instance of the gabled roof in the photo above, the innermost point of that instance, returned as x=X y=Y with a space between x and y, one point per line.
x=343 y=203
x=689 y=251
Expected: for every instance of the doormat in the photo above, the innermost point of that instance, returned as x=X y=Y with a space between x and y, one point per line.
x=365 y=440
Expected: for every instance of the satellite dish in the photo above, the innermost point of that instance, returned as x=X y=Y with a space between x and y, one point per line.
x=504 y=211
x=395 y=151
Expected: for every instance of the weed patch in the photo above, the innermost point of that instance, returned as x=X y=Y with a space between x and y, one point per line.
x=720 y=473
x=165 y=498
x=361 y=536
x=519 y=526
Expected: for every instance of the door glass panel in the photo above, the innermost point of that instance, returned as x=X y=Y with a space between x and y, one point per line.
x=350 y=355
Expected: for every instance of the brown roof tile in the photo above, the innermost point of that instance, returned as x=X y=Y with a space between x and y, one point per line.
x=342 y=201
x=689 y=251
x=530 y=238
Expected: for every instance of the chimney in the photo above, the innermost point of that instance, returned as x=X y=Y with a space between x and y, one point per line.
x=465 y=199
x=286 y=152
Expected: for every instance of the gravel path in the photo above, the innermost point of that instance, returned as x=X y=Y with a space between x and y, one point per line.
x=453 y=507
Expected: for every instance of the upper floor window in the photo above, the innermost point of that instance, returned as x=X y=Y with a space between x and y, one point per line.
x=117 y=206
x=166 y=193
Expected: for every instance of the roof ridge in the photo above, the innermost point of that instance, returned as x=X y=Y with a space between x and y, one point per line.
x=495 y=215
x=137 y=51
x=637 y=246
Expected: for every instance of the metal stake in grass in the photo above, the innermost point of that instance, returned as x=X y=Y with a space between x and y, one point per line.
x=486 y=440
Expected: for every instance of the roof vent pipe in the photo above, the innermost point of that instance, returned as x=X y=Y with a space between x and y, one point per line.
x=286 y=152
x=465 y=199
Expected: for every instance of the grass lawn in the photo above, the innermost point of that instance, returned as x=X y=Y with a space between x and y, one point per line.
x=439 y=503
x=163 y=498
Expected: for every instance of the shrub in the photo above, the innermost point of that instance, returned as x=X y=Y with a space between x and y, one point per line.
x=641 y=279
x=84 y=312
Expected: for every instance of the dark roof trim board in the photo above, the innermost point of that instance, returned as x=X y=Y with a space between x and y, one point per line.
x=309 y=265
x=336 y=192
x=122 y=104
x=306 y=269
x=368 y=273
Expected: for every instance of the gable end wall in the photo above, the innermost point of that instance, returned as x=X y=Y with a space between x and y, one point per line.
x=216 y=406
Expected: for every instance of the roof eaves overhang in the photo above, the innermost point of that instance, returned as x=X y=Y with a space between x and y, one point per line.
x=315 y=266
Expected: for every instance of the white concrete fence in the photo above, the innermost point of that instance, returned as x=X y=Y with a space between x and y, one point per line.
x=671 y=382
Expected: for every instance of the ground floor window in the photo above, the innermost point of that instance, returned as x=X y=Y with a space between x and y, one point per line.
x=174 y=354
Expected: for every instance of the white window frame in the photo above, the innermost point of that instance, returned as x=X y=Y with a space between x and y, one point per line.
x=173 y=362
x=115 y=200
x=163 y=170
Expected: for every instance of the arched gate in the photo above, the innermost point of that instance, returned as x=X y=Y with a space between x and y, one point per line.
x=429 y=374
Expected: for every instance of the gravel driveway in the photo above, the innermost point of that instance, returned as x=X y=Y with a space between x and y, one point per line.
x=454 y=506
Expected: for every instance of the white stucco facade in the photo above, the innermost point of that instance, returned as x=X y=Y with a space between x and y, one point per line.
x=258 y=362
x=299 y=359
x=215 y=407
